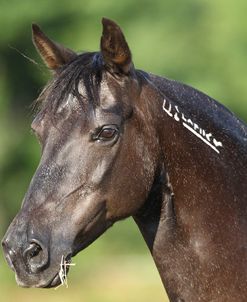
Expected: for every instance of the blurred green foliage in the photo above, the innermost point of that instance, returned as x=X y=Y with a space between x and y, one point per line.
x=200 y=42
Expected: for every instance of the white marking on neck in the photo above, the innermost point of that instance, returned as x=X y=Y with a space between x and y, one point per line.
x=201 y=137
x=178 y=116
x=168 y=111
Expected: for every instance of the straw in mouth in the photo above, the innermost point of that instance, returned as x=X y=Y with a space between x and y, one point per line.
x=64 y=267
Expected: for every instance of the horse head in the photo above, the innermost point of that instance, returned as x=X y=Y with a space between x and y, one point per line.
x=98 y=156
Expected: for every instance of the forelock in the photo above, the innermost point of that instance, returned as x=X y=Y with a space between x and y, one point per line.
x=85 y=69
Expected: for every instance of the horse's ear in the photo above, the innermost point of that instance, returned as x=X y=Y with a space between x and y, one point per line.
x=114 y=48
x=53 y=54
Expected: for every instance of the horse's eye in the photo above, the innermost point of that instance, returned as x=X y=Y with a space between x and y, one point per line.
x=107 y=133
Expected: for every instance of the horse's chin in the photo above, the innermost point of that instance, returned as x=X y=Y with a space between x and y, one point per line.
x=54 y=282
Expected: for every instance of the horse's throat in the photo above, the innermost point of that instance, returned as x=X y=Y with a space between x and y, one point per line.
x=157 y=209
x=157 y=223
x=156 y=219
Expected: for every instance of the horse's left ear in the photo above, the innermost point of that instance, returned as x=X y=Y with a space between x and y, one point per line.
x=52 y=53
x=114 y=48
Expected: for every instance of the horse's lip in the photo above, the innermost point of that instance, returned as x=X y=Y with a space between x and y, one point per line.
x=54 y=282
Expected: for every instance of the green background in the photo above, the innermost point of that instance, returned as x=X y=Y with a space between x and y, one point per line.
x=199 y=42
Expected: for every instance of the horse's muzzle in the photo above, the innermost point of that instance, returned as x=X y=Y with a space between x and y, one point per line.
x=34 y=256
x=9 y=254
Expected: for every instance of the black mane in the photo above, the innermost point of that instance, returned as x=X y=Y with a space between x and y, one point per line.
x=85 y=68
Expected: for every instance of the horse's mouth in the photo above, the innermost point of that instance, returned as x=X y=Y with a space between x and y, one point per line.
x=56 y=281
x=61 y=276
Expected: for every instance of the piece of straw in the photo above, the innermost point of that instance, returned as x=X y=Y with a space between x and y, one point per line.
x=63 y=272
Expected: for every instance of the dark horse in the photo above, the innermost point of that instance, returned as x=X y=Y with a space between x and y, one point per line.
x=119 y=142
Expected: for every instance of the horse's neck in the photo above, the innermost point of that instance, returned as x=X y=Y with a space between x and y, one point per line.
x=192 y=196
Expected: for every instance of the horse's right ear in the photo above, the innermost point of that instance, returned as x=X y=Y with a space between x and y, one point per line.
x=53 y=54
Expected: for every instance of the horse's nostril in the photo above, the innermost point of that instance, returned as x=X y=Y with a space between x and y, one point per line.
x=36 y=256
x=32 y=251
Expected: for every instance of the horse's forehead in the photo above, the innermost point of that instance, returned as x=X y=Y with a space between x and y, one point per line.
x=107 y=92
x=75 y=102
x=107 y=95
x=79 y=102
x=71 y=102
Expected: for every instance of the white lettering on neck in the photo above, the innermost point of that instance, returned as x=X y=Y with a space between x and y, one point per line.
x=206 y=137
